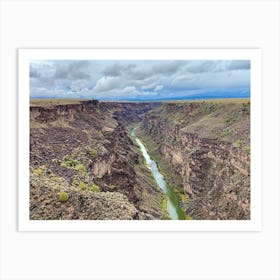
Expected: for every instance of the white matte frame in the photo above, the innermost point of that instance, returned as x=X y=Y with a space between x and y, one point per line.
x=27 y=55
x=139 y=255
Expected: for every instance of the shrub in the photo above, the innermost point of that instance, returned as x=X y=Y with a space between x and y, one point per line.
x=238 y=143
x=188 y=217
x=38 y=171
x=67 y=161
x=225 y=133
x=75 y=182
x=82 y=186
x=94 y=188
x=74 y=154
x=246 y=104
x=247 y=149
x=164 y=204
x=71 y=163
x=92 y=152
x=80 y=167
x=63 y=197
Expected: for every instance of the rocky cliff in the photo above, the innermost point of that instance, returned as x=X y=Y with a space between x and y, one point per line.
x=204 y=149
x=84 y=165
x=129 y=112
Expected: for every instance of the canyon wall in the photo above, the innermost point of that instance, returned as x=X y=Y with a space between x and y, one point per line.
x=204 y=149
x=84 y=150
x=129 y=112
x=84 y=165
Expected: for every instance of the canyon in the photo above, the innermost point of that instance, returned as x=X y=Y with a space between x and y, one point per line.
x=85 y=164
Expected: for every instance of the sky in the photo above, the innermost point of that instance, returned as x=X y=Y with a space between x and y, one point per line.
x=139 y=79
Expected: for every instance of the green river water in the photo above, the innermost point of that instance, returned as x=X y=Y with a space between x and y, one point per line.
x=173 y=204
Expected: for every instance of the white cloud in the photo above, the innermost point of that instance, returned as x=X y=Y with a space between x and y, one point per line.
x=158 y=88
x=106 y=83
x=129 y=90
x=145 y=87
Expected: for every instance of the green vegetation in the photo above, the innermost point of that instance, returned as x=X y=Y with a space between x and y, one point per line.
x=94 y=188
x=63 y=197
x=238 y=143
x=82 y=185
x=246 y=104
x=247 y=149
x=80 y=167
x=68 y=162
x=92 y=152
x=181 y=194
x=164 y=204
x=225 y=133
x=38 y=171
x=74 y=154
x=75 y=182
x=41 y=169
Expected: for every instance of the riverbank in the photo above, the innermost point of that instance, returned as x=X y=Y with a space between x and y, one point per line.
x=173 y=201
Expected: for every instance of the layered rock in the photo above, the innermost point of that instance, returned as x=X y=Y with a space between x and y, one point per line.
x=129 y=112
x=75 y=147
x=205 y=149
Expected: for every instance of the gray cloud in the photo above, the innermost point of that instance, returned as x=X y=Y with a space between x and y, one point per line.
x=118 y=69
x=72 y=70
x=239 y=65
x=109 y=79
x=33 y=73
x=201 y=66
x=168 y=68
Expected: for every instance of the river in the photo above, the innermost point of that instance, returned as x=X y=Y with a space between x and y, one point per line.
x=173 y=204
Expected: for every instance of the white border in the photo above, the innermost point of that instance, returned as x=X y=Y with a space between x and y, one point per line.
x=254 y=55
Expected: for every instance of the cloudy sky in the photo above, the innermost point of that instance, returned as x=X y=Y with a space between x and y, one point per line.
x=139 y=80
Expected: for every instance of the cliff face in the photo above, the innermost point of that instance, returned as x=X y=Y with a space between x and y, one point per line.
x=83 y=165
x=129 y=112
x=204 y=147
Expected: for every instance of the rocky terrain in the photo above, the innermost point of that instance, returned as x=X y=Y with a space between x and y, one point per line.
x=204 y=149
x=85 y=165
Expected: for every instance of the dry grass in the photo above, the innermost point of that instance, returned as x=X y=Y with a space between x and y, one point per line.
x=48 y=102
x=217 y=101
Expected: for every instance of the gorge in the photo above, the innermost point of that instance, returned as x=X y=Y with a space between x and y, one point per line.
x=86 y=164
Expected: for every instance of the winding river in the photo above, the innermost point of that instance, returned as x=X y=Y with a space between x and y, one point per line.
x=173 y=205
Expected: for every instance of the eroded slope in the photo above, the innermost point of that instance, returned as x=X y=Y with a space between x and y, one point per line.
x=83 y=165
x=204 y=149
